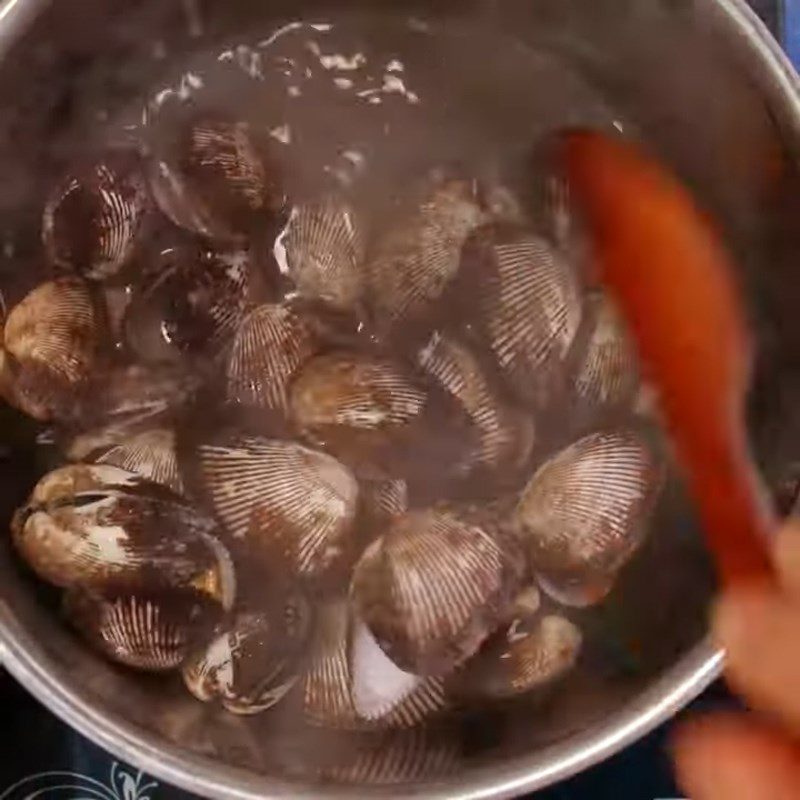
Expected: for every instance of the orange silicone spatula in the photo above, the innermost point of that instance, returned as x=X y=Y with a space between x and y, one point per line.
x=669 y=271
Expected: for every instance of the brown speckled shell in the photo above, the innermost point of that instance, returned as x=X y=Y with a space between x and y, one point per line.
x=52 y=341
x=291 y=507
x=92 y=221
x=584 y=513
x=434 y=587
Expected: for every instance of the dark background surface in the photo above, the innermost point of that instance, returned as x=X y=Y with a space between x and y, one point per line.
x=43 y=744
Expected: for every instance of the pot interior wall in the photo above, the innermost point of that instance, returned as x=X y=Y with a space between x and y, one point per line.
x=663 y=65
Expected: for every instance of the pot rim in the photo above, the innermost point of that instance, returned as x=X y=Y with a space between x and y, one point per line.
x=28 y=662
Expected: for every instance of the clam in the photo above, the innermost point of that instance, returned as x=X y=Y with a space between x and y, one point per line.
x=382 y=501
x=124 y=402
x=270 y=345
x=93 y=219
x=357 y=406
x=291 y=507
x=216 y=178
x=52 y=342
x=530 y=653
x=94 y=525
x=413 y=261
x=351 y=684
x=529 y=305
x=150 y=630
x=505 y=437
x=607 y=373
x=585 y=513
x=397 y=757
x=151 y=455
x=324 y=246
x=254 y=662
x=191 y=307
x=433 y=587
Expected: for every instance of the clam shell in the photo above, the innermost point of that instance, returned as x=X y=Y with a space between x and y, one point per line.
x=525 y=656
x=151 y=631
x=505 y=436
x=269 y=347
x=51 y=340
x=324 y=246
x=290 y=506
x=253 y=664
x=584 y=513
x=383 y=692
x=433 y=588
x=192 y=307
x=124 y=402
x=398 y=757
x=409 y=266
x=382 y=501
x=93 y=219
x=91 y=525
x=607 y=374
x=357 y=406
x=151 y=455
x=351 y=684
x=529 y=306
x=327 y=699
x=215 y=179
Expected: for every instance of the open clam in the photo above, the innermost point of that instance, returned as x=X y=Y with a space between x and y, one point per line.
x=149 y=630
x=216 y=178
x=255 y=661
x=292 y=508
x=433 y=587
x=93 y=219
x=585 y=511
x=529 y=305
x=52 y=348
x=92 y=526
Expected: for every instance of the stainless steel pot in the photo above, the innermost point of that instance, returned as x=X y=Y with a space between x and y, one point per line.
x=711 y=91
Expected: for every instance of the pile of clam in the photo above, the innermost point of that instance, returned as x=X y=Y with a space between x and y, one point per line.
x=314 y=457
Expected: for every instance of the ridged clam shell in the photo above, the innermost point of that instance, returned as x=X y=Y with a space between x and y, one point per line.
x=525 y=656
x=382 y=501
x=51 y=339
x=505 y=436
x=327 y=699
x=530 y=305
x=433 y=588
x=607 y=373
x=351 y=684
x=151 y=631
x=215 y=179
x=91 y=525
x=410 y=265
x=584 y=513
x=270 y=345
x=193 y=306
x=150 y=454
x=398 y=757
x=123 y=402
x=355 y=405
x=384 y=693
x=253 y=664
x=324 y=246
x=93 y=219
x=291 y=506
